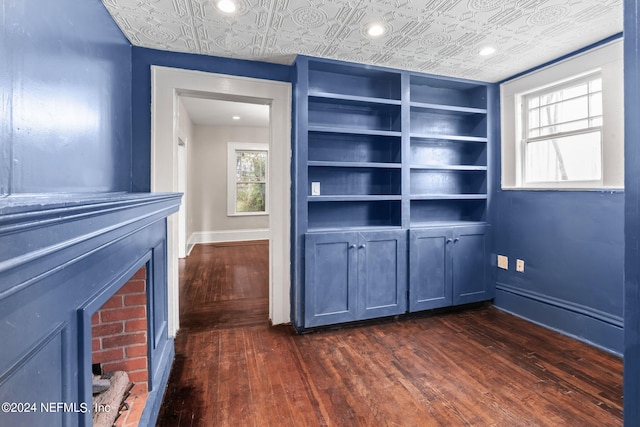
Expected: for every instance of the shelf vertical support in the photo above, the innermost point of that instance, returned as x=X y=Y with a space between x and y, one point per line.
x=405 y=111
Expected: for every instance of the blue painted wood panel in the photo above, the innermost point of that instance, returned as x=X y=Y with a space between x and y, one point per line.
x=354 y=276
x=426 y=212
x=448 y=182
x=40 y=369
x=353 y=79
x=448 y=92
x=355 y=181
x=341 y=115
x=345 y=147
x=447 y=123
x=430 y=283
x=331 y=277
x=448 y=266
x=471 y=265
x=382 y=273
x=65 y=124
x=52 y=286
x=442 y=152
x=357 y=214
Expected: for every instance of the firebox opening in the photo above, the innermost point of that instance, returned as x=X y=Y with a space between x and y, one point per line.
x=120 y=353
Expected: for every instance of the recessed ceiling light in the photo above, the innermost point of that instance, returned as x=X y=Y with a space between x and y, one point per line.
x=487 y=50
x=376 y=29
x=226 y=6
x=236 y=117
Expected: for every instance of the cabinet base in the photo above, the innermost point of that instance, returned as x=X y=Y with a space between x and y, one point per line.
x=396 y=318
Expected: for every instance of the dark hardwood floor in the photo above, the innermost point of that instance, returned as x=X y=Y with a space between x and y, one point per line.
x=480 y=367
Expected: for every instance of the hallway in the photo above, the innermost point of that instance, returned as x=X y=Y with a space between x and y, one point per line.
x=479 y=367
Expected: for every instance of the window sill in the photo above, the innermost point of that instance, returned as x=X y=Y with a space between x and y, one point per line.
x=592 y=189
x=249 y=214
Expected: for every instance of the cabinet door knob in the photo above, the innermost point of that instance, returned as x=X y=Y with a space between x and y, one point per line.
x=362 y=246
x=449 y=240
x=352 y=246
x=456 y=239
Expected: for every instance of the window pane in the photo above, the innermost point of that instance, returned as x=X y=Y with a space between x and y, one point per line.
x=250 y=197
x=595 y=104
x=565 y=111
x=572 y=92
x=534 y=122
x=534 y=102
x=565 y=127
x=571 y=158
x=595 y=85
x=251 y=166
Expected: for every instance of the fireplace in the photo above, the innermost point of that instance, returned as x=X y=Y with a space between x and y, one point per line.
x=119 y=345
x=66 y=263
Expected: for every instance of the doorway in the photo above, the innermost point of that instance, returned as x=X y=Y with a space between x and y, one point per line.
x=168 y=85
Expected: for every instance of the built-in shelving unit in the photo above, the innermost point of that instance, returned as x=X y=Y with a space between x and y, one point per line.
x=448 y=151
x=354 y=147
x=383 y=150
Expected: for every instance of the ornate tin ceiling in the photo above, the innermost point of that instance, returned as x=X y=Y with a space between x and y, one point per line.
x=434 y=36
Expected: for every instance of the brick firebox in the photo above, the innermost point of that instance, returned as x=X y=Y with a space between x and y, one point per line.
x=119 y=340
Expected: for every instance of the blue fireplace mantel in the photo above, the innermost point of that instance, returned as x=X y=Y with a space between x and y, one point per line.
x=61 y=257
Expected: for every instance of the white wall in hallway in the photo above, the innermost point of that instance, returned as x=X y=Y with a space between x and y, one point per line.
x=208 y=175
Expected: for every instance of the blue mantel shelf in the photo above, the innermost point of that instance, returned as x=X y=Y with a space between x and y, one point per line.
x=61 y=257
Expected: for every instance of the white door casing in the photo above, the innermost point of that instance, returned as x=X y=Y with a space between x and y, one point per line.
x=167 y=85
x=182 y=188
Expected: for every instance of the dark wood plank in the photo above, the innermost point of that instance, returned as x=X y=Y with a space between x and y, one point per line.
x=479 y=367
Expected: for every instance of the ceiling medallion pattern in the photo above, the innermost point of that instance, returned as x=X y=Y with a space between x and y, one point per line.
x=433 y=36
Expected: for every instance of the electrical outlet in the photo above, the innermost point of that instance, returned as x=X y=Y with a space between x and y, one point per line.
x=520 y=266
x=315 y=188
x=503 y=262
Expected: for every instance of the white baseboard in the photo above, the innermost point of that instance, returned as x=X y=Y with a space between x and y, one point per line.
x=226 y=236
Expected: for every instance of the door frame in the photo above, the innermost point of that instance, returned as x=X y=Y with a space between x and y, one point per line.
x=167 y=84
x=182 y=188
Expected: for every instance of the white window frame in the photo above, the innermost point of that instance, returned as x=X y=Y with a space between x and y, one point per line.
x=608 y=58
x=525 y=139
x=232 y=148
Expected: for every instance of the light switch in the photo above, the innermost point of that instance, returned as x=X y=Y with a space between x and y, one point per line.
x=520 y=266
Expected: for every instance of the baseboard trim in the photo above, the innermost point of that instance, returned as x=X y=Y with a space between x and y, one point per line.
x=226 y=236
x=583 y=323
x=563 y=304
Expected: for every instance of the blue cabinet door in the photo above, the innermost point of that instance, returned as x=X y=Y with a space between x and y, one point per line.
x=430 y=284
x=330 y=278
x=382 y=273
x=471 y=265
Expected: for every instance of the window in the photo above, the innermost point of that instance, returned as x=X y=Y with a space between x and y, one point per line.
x=247 y=176
x=562 y=126
x=562 y=132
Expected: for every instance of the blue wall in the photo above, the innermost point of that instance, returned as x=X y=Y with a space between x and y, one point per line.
x=65 y=121
x=573 y=247
x=143 y=59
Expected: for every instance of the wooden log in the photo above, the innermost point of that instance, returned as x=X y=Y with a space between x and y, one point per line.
x=106 y=405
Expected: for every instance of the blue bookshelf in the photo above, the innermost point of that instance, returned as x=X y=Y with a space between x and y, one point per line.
x=385 y=152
